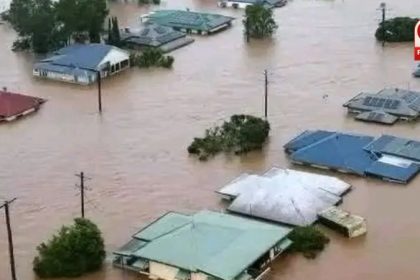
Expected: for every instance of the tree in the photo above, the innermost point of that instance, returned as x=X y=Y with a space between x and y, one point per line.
x=308 y=240
x=259 y=21
x=241 y=134
x=35 y=22
x=399 y=29
x=82 y=17
x=74 y=251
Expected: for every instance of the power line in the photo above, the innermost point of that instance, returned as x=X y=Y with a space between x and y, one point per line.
x=10 y=237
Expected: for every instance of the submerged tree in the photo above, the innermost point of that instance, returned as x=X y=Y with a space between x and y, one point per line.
x=114 y=37
x=48 y=26
x=308 y=240
x=74 y=251
x=399 y=29
x=259 y=21
x=241 y=134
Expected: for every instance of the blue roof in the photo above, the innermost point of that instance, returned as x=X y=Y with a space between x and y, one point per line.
x=359 y=154
x=81 y=56
x=335 y=150
x=392 y=172
x=396 y=146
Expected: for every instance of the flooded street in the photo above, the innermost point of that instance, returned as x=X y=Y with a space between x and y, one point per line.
x=135 y=152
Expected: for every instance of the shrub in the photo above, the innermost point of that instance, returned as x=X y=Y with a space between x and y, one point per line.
x=156 y=2
x=241 y=134
x=75 y=250
x=167 y=61
x=308 y=240
x=399 y=29
x=152 y=57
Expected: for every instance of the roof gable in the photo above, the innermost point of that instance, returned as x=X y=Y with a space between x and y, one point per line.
x=214 y=243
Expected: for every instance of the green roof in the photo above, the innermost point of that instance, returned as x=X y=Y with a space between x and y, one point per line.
x=189 y=20
x=217 y=244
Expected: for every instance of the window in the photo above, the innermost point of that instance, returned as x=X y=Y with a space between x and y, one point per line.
x=124 y=64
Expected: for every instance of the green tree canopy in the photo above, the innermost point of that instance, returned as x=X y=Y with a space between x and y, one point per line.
x=75 y=250
x=259 y=21
x=48 y=26
x=399 y=29
x=241 y=134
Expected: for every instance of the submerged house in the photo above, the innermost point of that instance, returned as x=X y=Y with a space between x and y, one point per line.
x=80 y=63
x=154 y=36
x=387 y=106
x=14 y=105
x=189 y=22
x=283 y=195
x=388 y=157
x=242 y=4
x=203 y=246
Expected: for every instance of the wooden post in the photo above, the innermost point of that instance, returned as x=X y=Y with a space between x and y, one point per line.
x=266 y=94
x=10 y=238
x=98 y=80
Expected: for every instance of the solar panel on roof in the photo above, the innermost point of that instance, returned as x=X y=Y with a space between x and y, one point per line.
x=395 y=104
x=380 y=103
x=367 y=101
x=388 y=103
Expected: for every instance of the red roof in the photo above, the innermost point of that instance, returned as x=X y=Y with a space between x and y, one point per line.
x=12 y=104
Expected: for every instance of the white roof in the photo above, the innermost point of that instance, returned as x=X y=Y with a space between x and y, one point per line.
x=284 y=195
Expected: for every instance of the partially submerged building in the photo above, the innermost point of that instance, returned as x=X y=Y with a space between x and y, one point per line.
x=284 y=195
x=154 y=36
x=203 y=246
x=188 y=21
x=80 y=63
x=242 y=4
x=14 y=105
x=387 y=157
x=348 y=224
x=387 y=106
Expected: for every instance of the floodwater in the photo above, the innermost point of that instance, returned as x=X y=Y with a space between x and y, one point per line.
x=135 y=152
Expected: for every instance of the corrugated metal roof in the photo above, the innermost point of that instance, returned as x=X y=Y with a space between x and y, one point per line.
x=217 y=244
x=377 y=116
x=335 y=150
x=360 y=154
x=77 y=57
x=396 y=146
x=284 y=195
x=152 y=35
x=399 y=102
x=12 y=104
x=188 y=19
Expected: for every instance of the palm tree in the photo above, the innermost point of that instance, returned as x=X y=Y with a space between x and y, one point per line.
x=259 y=21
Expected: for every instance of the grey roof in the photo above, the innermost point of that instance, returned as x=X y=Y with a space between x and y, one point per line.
x=391 y=145
x=387 y=157
x=180 y=19
x=398 y=102
x=284 y=195
x=153 y=35
x=377 y=116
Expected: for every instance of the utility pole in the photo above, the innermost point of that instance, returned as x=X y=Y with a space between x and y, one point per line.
x=98 y=79
x=383 y=9
x=82 y=193
x=265 y=93
x=10 y=237
x=247 y=29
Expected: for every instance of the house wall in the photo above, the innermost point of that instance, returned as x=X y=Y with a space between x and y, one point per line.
x=162 y=271
x=83 y=80
x=198 y=276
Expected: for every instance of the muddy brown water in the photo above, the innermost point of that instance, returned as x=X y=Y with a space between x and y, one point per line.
x=136 y=155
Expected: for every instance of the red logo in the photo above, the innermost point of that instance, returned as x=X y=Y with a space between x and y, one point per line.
x=417 y=42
